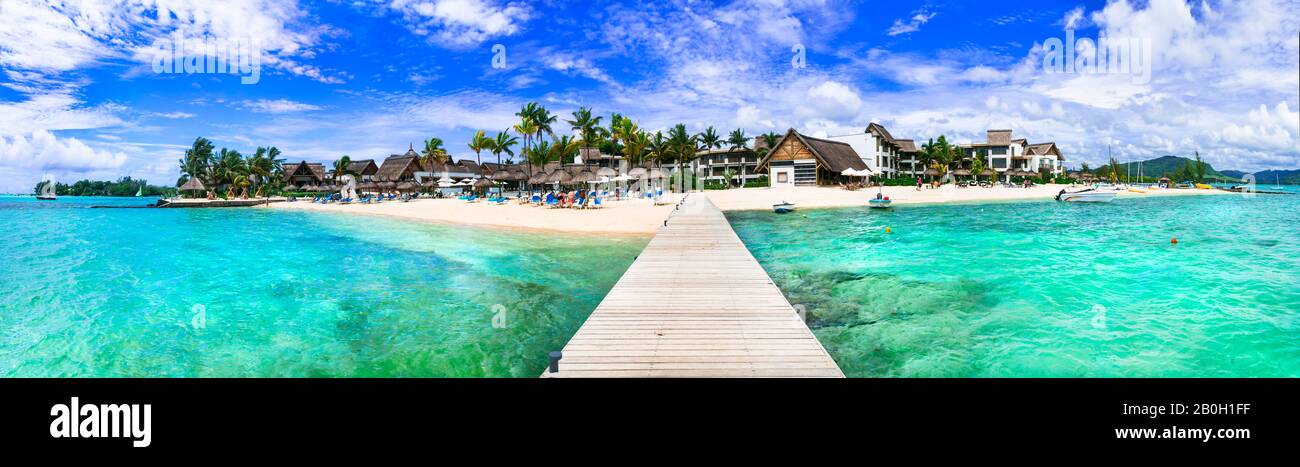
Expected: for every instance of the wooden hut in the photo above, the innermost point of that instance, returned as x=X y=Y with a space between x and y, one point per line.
x=365 y=168
x=399 y=168
x=304 y=173
x=803 y=160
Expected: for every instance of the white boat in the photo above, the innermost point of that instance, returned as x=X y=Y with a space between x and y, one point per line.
x=783 y=208
x=1086 y=196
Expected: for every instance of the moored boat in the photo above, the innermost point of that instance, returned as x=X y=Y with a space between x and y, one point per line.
x=783 y=207
x=1086 y=196
x=880 y=203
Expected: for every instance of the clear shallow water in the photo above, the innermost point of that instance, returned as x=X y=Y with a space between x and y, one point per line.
x=1046 y=289
x=115 y=292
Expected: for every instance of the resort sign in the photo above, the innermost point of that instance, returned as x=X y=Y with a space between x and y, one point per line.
x=1105 y=55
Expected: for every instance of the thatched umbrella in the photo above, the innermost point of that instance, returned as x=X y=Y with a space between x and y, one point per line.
x=961 y=173
x=606 y=172
x=584 y=177
x=407 y=186
x=368 y=186
x=932 y=172
x=560 y=176
x=637 y=172
x=537 y=178
x=193 y=184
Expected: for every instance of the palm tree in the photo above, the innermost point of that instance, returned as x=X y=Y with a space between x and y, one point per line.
x=230 y=171
x=259 y=169
x=478 y=143
x=434 y=151
x=659 y=148
x=197 y=162
x=709 y=139
x=502 y=143
x=635 y=146
x=737 y=141
x=343 y=166
x=564 y=148
x=683 y=147
x=587 y=126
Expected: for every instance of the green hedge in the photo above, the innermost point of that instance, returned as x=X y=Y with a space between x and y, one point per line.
x=901 y=181
x=760 y=182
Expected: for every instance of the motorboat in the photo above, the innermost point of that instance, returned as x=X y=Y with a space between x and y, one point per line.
x=783 y=207
x=1086 y=196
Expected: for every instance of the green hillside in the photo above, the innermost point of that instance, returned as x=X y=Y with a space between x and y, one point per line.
x=1168 y=166
x=1290 y=177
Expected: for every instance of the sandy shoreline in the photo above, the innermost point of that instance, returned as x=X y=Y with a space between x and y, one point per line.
x=641 y=217
x=628 y=217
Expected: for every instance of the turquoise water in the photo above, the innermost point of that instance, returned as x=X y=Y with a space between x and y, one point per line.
x=1047 y=289
x=254 y=292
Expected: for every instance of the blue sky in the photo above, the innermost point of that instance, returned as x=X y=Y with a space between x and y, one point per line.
x=79 y=96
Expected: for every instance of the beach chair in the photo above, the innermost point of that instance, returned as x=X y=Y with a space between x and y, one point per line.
x=596 y=203
x=551 y=200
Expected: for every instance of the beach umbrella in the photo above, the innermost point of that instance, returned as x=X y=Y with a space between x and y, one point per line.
x=932 y=172
x=961 y=172
x=606 y=172
x=637 y=173
x=407 y=186
x=656 y=174
x=483 y=183
x=560 y=176
x=623 y=178
x=193 y=184
x=584 y=177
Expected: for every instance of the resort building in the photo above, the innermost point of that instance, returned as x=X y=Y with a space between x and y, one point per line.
x=803 y=160
x=304 y=173
x=399 y=168
x=713 y=164
x=1003 y=154
x=882 y=153
x=909 y=159
x=367 y=168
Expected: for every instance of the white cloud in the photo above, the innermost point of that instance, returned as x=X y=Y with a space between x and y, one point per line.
x=462 y=22
x=276 y=106
x=41 y=150
x=919 y=18
x=48 y=37
x=832 y=100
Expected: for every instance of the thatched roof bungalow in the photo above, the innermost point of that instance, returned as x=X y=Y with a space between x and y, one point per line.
x=399 y=168
x=304 y=173
x=803 y=160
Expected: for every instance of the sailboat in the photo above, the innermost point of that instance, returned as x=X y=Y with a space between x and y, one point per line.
x=47 y=190
x=139 y=191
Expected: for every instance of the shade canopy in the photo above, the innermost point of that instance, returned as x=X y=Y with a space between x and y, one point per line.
x=192 y=184
x=654 y=174
x=961 y=172
x=637 y=172
x=606 y=172
x=932 y=171
x=559 y=176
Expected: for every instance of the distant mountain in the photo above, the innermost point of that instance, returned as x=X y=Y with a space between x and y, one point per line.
x=1290 y=177
x=1168 y=166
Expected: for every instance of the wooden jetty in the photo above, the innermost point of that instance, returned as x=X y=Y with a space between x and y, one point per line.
x=695 y=303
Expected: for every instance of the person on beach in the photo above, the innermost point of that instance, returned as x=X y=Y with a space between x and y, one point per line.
x=918 y=183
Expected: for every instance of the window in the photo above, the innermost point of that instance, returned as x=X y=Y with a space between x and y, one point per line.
x=998 y=163
x=782 y=177
x=1000 y=151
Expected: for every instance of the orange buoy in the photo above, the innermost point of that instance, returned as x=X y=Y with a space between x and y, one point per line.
x=887 y=230
x=1174 y=240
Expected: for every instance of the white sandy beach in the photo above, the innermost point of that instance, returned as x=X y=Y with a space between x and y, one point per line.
x=640 y=217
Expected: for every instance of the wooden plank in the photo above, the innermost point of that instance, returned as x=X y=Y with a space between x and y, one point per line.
x=694 y=304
